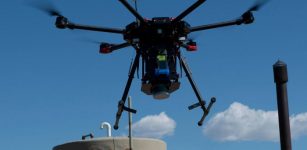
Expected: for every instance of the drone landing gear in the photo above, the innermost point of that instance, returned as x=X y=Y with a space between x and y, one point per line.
x=121 y=103
x=200 y=102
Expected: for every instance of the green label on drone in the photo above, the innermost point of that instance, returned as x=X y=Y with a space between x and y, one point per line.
x=161 y=57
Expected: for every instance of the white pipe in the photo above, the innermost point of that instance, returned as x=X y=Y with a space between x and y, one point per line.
x=108 y=127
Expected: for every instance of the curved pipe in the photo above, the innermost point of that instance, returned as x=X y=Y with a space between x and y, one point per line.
x=107 y=126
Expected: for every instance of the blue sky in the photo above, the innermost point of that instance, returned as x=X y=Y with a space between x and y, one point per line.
x=54 y=87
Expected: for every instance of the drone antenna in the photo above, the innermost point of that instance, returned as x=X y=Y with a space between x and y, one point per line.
x=135 y=5
x=136 y=9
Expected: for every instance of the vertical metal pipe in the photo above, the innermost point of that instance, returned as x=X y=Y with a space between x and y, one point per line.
x=281 y=79
x=130 y=122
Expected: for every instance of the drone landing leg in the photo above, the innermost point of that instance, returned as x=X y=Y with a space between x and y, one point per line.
x=121 y=103
x=201 y=102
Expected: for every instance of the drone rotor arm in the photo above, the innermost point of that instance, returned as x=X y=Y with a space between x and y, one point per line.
x=246 y=18
x=217 y=25
x=188 y=10
x=94 y=28
x=119 y=46
x=63 y=23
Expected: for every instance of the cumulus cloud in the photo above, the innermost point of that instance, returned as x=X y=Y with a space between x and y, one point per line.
x=154 y=126
x=241 y=123
x=298 y=125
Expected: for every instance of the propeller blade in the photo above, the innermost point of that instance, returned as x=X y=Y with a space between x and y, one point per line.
x=87 y=40
x=90 y=40
x=53 y=12
x=257 y=5
x=46 y=7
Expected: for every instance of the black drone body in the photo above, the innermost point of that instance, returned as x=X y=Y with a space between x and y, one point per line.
x=158 y=41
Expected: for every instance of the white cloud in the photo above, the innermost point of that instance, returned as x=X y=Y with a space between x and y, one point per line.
x=154 y=126
x=241 y=123
x=299 y=125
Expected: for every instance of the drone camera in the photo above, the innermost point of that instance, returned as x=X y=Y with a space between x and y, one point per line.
x=160 y=92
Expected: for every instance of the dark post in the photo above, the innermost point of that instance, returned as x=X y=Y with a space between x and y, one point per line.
x=281 y=79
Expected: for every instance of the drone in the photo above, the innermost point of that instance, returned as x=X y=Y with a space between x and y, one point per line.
x=158 y=42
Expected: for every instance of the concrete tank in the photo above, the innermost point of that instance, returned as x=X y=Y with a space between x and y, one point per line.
x=113 y=143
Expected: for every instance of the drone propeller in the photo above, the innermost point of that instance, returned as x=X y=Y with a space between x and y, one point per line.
x=53 y=12
x=46 y=7
x=90 y=40
x=248 y=17
x=257 y=5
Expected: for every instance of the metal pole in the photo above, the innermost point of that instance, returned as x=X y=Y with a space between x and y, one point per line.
x=281 y=79
x=130 y=122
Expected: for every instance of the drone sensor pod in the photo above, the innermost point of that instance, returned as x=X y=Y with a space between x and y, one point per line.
x=160 y=92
